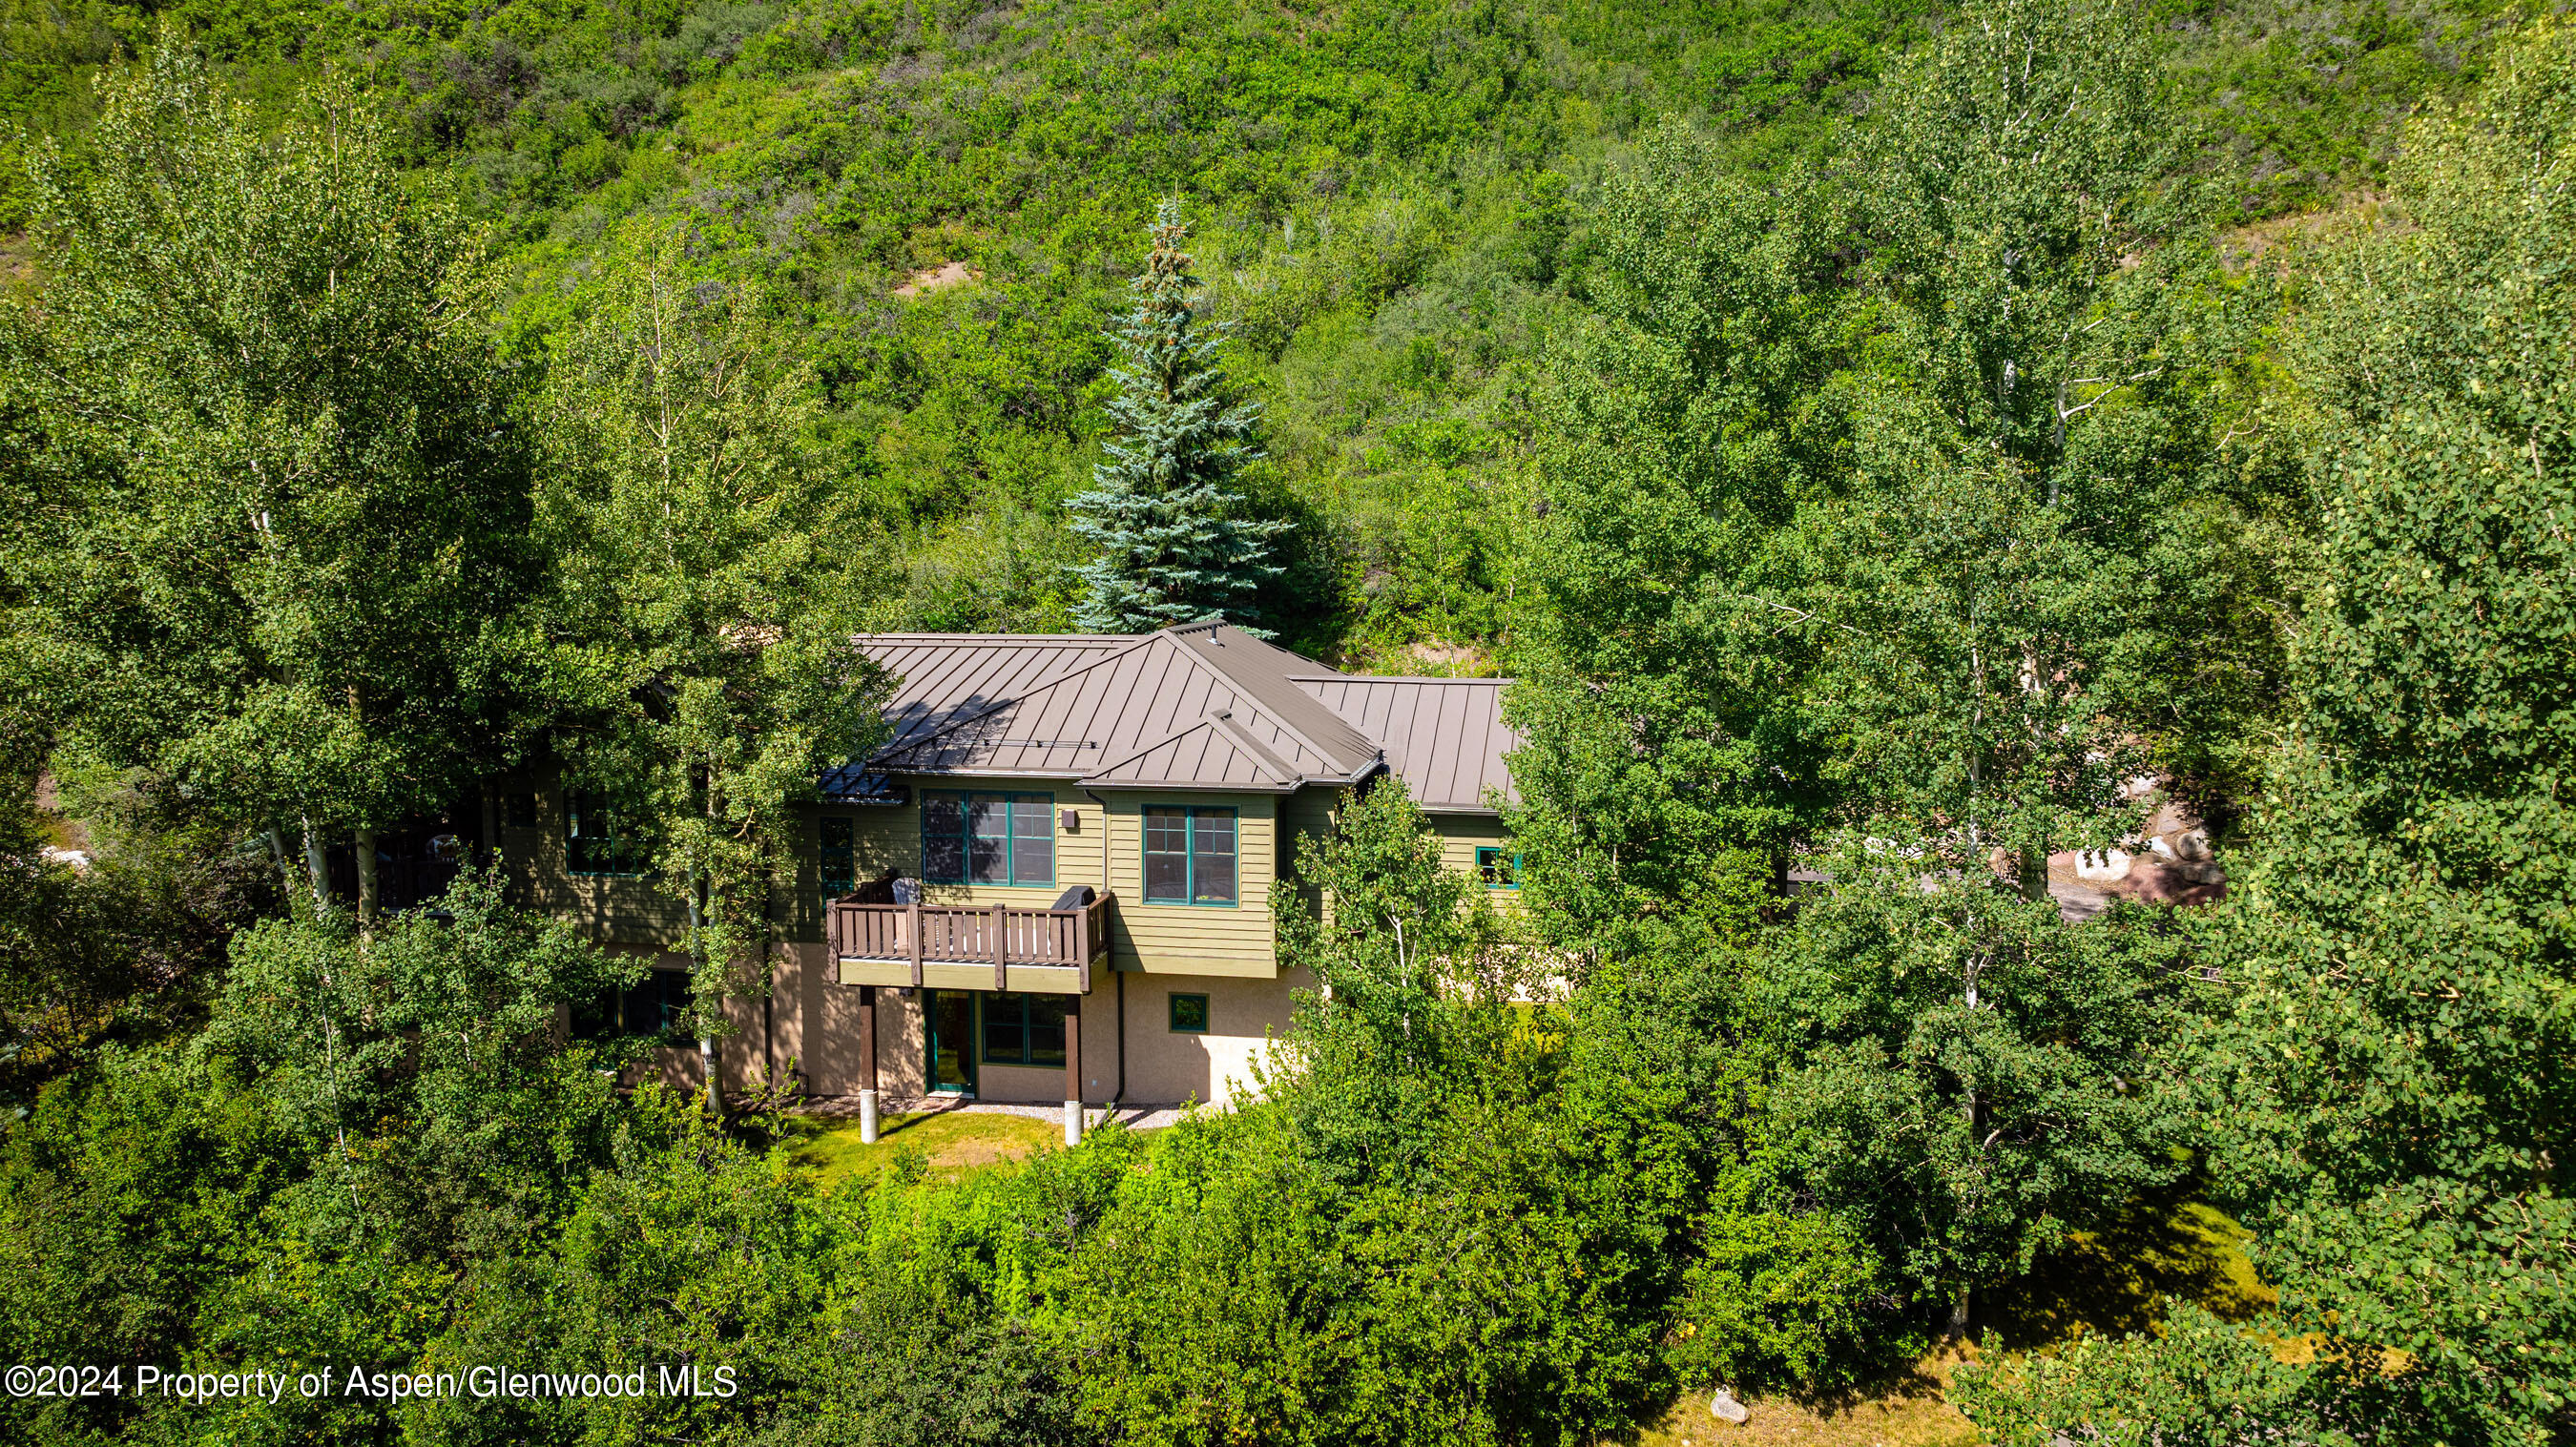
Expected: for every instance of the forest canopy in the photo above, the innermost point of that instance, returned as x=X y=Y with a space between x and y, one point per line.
x=1899 y=453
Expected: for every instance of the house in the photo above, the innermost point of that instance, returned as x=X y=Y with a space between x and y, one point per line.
x=1053 y=881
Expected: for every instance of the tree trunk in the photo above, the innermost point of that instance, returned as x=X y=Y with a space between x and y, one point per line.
x=1958 y=1328
x=364 y=845
x=285 y=870
x=317 y=870
x=2033 y=868
x=697 y=971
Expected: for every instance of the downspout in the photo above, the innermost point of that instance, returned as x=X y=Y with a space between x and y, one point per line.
x=1118 y=1095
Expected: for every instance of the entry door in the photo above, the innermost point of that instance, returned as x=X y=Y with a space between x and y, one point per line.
x=950 y=1015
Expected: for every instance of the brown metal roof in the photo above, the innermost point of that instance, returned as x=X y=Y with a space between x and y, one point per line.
x=1201 y=707
x=1444 y=736
x=941 y=677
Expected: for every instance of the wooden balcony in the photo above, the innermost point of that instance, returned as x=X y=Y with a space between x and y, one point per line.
x=969 y=947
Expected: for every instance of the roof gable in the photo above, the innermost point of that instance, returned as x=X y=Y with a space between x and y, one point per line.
x=1212 y=753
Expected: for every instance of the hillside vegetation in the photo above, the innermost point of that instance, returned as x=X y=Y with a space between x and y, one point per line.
x=1392 y=203
x=1916 y=464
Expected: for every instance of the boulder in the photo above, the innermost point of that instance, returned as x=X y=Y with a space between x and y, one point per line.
x=2102 y=864
x=1723 y=1406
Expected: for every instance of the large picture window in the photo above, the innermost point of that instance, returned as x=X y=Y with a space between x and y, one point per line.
x=599 y=842
x=1024 y=1029
x=988 y=839
x=1189 y=855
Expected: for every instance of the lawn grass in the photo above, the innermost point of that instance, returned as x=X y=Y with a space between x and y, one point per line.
x=2167 y=1245
x=1909 y=1411
x=950 y=1143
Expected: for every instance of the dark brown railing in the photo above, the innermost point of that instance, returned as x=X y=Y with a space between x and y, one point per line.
x=993 y=934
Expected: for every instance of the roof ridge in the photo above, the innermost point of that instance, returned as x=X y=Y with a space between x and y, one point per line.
x=1246 y=687
x=1028 y=638
x=1223 y=720
x=1393 y=678
x=1290 y=729
x=1134 y=642
x=1206 y=720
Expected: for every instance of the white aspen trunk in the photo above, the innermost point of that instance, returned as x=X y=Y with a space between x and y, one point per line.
x=363 y=843
x=707 y=1056
x=317 y=870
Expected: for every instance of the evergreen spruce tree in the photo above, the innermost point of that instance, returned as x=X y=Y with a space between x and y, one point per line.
x=1172 y=548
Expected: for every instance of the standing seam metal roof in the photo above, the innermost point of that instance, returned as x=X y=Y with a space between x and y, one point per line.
x=1201 y=707
x=1445 y=736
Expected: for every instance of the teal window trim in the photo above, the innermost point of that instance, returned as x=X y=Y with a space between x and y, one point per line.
x=598 y=845
x=931 y=1054
x=1018 y=810
x=1020 y=1012
x=1498 y=872
x=836 y=854
x=1191 y=815
x=1180 y=1008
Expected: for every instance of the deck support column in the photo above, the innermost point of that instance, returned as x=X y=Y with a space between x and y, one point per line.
x=1073 y=1073
x=867 y=1065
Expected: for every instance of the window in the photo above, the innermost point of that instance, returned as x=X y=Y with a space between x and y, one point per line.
x=519 y=810
x=839 y=857
x=1499 y=868
x=657 y=1005
x=1189 y=855
x=1189 y=1014
x=988 y=839
x=1024 y=1029
x=598 y=841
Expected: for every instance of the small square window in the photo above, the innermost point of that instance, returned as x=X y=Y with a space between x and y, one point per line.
x=1499 y=868
x=519 y=810
x=1189 y=1014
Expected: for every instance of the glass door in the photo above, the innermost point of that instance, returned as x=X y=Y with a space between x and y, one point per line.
x=950 y=1016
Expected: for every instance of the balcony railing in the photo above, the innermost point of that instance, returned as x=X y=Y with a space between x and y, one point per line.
x=969 y=947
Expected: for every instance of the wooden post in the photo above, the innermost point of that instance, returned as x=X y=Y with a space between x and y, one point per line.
x=867 y=1065
x=1001 y=948
x=912 y=922
x=1082 y=946
x=1073 y=1072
